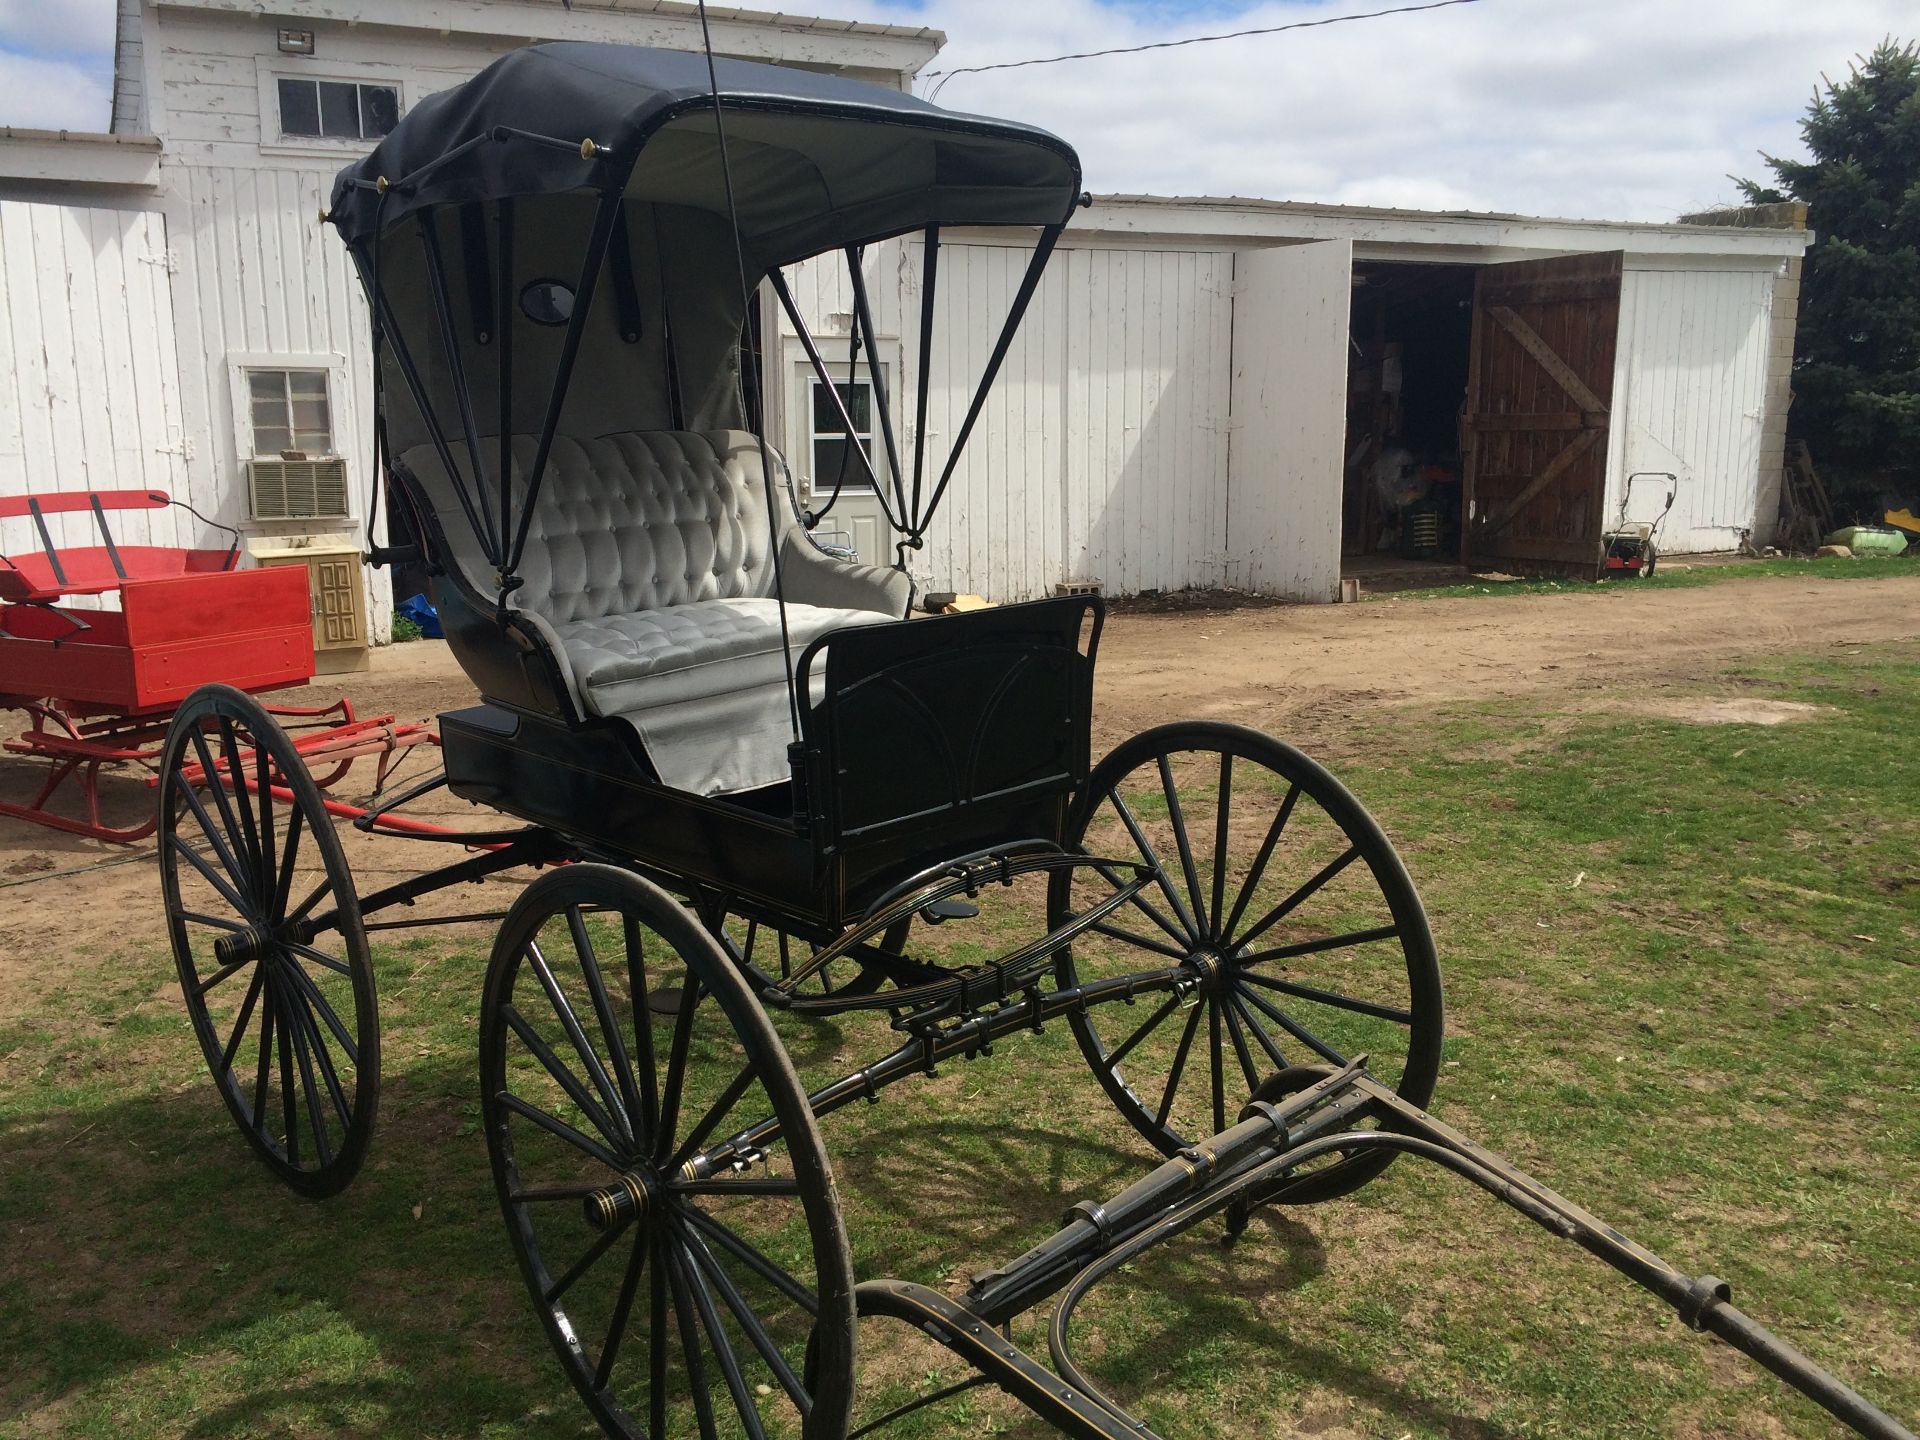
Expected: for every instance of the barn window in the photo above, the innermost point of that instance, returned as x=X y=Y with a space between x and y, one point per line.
x=289 y=411
x=831 y=445
x=337 y=109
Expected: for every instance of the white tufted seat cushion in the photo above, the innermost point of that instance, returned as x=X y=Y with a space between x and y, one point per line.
x=649 y=565
x=626 y=663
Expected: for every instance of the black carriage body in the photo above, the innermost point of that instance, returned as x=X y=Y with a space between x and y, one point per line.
x=935 y=738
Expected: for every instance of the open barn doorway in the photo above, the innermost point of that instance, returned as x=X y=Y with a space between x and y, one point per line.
x=1411 y=342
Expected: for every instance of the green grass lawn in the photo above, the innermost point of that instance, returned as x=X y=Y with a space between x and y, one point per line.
x=1683 y=965
x=1676 y=573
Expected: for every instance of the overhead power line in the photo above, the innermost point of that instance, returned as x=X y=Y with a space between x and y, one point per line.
x=946 y=75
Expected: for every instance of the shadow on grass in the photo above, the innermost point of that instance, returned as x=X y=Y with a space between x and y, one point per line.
x=157 y=1281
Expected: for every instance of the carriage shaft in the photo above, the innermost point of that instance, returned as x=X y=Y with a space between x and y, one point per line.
x=1091 y=1230
x=966 y=1038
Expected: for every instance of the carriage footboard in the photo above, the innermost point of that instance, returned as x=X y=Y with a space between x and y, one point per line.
x=1255 y=1162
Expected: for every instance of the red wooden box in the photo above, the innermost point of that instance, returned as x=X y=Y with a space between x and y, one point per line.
x=252 y=629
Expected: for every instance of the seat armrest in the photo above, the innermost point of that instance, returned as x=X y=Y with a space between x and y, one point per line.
x=810 y=576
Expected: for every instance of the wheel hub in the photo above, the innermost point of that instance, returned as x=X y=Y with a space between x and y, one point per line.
x=634 y=1194
x=1211 y=968
x=243 y=947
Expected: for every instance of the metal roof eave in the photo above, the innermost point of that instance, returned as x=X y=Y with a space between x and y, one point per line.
x=79 y=158
x=738 y=31
x=1461 y=236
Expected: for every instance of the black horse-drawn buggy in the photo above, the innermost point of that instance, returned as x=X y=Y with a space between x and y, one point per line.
x=753 y=786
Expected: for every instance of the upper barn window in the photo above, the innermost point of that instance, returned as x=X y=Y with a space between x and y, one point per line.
x=338 y=109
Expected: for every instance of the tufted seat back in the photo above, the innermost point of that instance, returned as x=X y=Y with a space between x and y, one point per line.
x=624 y=523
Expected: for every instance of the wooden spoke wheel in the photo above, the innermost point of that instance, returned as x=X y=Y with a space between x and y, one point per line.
x=665 y=1187
x=268 y=941
x=1283 y=907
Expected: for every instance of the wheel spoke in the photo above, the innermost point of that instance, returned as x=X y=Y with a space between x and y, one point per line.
x=1177 y=818
x=194 y=917
x=289 y=851
x=1147 y=852
x=289 y=1105
x=689 y=1341
x=269 y=865
x=676 y=1068
x=1144 y=942
x=588 y=1259
x=318 y=893
x=318 y=957
x=1299 y=897
x=561 y=1130
x=746 y=1185
x=589 y=1057
x=642 y=1023
x=1222 y=813
x=1314 y=947
x=229 y=827
x=563 y=1077
x=1179 y=1065
x=1217 y=1069
x=211 y=875
x=637 y=1118
x=622 y=1307
x=322 y=1146
x=1334 y=999
x=729 y=1097
x=265 y=1069
x=317 y=1004
x=1144 y=905
x=1294 y=1028
x=747 y=1254
x=749 y=1323
x=301 y=1006
x=222 y=973
x=246 y=1014
x=230 y=748
x=736 y=1383
x=1274 y=1053
x=1125 y=1048
x=1230 y=1013
x=657 y=1343
x=1260 y=859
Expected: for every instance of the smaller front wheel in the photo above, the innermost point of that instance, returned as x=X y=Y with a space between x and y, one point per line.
x=665 y=1188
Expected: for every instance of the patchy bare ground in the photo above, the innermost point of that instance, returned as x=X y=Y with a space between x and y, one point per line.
x=1304 y=673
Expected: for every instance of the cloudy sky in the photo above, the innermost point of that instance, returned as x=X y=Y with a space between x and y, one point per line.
x=1622 y=109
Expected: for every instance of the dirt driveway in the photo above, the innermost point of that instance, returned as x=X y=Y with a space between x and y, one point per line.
x=1303 y=673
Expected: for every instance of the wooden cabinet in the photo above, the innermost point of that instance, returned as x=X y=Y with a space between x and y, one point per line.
x=337 y=591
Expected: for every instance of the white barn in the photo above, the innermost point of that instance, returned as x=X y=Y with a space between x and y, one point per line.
x=1176 y=413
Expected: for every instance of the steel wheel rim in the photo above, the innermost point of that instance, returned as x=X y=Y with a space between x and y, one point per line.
x=244 y=868
x=1240 y=1015
x=689 y=1304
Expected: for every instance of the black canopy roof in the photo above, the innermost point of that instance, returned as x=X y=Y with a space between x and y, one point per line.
x=818 y=161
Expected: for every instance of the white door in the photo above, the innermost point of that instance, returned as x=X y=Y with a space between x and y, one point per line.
x=823 y=453
x=1290 y=308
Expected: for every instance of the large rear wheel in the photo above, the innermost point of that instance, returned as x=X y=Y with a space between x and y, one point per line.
x=665 y=1188
x=268 y=941
x=1286 y=909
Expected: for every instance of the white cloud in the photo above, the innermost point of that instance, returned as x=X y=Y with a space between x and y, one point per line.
x=53 y=95
x=57 y=27
x=1620 y=109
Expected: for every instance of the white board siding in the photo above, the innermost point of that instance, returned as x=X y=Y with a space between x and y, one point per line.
x=88 y=396
x=1690 y=397
x=1101 y=451
x=260 y=276
x=1289 y=419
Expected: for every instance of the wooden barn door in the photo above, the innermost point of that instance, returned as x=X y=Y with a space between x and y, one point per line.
x=1539 y=395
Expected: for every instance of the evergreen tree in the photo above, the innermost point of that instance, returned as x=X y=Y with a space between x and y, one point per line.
x=1856 y=376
